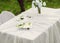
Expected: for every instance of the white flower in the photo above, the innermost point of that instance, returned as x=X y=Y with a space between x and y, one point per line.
x=24 y=25
x=44 y=3
x=27 y=25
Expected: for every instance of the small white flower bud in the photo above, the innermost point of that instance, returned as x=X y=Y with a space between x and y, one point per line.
x=44 y=3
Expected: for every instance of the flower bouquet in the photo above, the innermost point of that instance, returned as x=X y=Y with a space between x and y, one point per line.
x=38 y=4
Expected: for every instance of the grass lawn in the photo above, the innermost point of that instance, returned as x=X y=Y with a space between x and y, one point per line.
x=13 y=5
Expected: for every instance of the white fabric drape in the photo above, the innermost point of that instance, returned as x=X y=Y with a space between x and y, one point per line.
x=45 y=28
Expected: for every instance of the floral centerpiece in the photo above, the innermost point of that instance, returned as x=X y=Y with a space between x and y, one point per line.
x=24 y=23
x=38 y=4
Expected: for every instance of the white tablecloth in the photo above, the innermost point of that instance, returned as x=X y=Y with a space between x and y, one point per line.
x=45 y=28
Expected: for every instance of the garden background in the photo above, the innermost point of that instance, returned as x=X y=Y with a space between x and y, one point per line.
x=13 y=5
